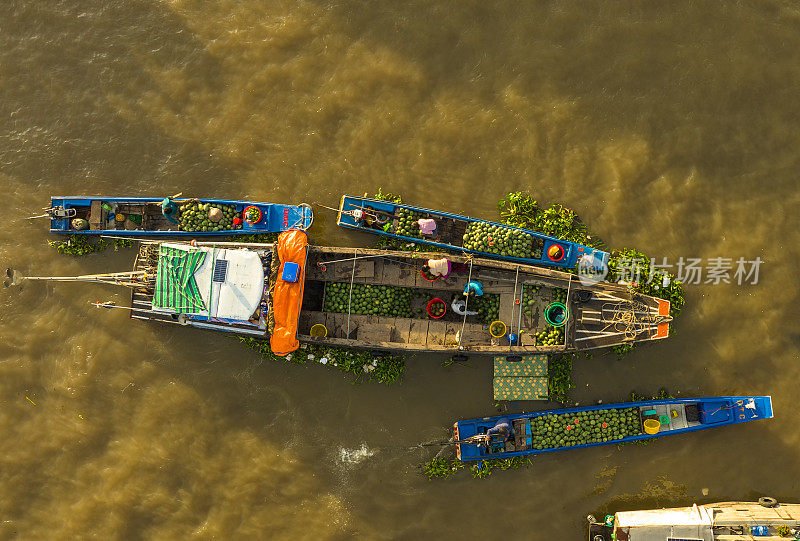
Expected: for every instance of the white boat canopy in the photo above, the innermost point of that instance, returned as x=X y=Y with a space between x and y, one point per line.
x=695 y=523
x=229 y=281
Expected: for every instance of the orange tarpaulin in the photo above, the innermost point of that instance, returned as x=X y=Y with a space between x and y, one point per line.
x=287 y=297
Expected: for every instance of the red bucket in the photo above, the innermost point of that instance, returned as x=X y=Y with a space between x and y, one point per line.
x=247 y=211
x=432 y=303
x=435 y=277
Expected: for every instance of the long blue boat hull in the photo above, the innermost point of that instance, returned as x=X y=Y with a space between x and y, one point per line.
x=451 y=228
x=275 y=217
x=682 y=416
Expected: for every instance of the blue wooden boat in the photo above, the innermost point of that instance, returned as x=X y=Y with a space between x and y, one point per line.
x=574 y=428
x=143 y=216
x=465 y=234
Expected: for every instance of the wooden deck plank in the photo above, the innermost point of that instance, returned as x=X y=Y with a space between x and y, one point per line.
x=402 y=328
x=507 y=308
x=418 y=331
x=436 y=333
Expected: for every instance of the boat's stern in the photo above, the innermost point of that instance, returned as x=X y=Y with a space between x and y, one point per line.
x=764 y=403
x=351 y=206
x=662 y=330
x=456 y=438
x=61 y=211
x=752 y=408
x=591 y=261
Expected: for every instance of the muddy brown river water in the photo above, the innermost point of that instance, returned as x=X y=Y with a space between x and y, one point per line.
x=670 y=127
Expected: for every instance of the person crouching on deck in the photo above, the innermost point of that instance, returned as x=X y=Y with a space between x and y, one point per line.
x=427 y=227
x=503 y=429
x=473 y=289
x=169 y=209
x=438 y=267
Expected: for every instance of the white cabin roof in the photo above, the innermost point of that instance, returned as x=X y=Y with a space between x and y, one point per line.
x=683 y=516
x=239 y=292
x=660 y=524
x=698 y=522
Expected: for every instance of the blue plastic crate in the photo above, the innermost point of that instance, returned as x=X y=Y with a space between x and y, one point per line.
x=290 y=272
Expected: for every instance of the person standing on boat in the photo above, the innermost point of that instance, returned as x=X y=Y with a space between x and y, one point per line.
x=169 y=209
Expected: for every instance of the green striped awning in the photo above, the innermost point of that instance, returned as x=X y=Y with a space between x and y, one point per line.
x=176 y=287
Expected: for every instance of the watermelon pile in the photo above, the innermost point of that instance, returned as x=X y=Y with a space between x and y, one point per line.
x=529 y=294
x=389 y=301
x=568 y=429
x=406 y=223
x=503 y=241
x=194 y=217
x=487 y=306
x=551 y=336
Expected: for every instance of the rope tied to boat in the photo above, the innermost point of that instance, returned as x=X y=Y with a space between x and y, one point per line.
x=625 y=321
x=466 y=308
x=350 y=298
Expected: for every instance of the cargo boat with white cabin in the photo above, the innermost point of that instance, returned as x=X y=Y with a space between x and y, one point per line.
x=724 y=521
x=291 y=292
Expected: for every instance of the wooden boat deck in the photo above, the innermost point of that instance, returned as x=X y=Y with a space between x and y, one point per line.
x=599 y=322
x=152 y=217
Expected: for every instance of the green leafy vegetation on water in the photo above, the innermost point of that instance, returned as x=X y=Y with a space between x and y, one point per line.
x=440 y=468
x=559 y=377
x=256 y=238
x=364 y=365
x=443 y=468
x=521 y=210
x=80 y=245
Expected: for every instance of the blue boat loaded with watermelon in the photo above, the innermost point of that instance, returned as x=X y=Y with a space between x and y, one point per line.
x=574 y=428
x=145 y=216
x=466 y=234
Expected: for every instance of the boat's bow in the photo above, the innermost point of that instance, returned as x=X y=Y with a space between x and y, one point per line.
x=612 y=316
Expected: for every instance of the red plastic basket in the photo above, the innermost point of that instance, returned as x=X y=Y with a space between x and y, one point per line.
x=433 y=301
x=422 y=273
x=246 y=211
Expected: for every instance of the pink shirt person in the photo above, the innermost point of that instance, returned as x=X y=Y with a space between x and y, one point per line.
x=427 y=226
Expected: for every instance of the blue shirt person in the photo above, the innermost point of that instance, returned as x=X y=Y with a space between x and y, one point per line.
x=473 y=287
x=169 y=209
x=502 y=428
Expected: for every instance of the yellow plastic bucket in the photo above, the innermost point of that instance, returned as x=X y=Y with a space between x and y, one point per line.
x=497 y=328
x=652 y=426
x=319 y=330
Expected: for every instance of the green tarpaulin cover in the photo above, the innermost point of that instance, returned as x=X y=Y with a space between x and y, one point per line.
x=176 y=287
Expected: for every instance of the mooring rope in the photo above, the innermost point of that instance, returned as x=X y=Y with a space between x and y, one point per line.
x=466 y=305
x=350 y=298
x=511 y=322
x=624 y=319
